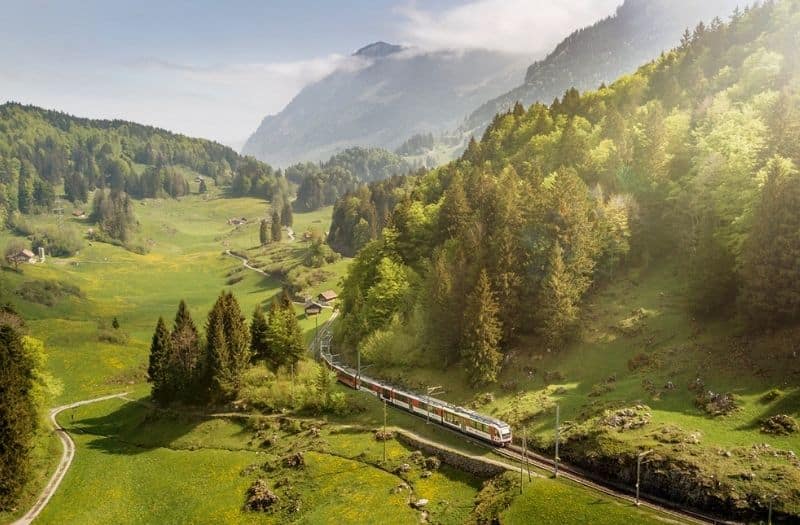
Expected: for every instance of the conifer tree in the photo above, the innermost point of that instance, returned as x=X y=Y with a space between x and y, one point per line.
x=203 y=188
x=238 y=339
x=187 y=355
x=454 y=214
x=258 y=334
x=284 y=337
x=483 y=331
x=771 y=273
x=276 y=227
x=286 y=213
x=18 y=415
x=557 y=311
x=263 y=232
x=217 y=382
x=158 y=371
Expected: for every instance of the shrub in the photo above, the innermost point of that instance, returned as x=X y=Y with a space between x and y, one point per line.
x=64 y=242
x=779 y=425
x=259 y=497
x=47 y=293
x=638 y=361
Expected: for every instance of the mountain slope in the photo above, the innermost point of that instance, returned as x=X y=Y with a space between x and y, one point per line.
x=629 y=254
x=387 y=94
x=638 y=32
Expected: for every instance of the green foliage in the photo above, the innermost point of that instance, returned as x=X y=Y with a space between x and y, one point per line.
x=263 y=232
x=482 y=334
x=322 y=185
x=227 y=348
x=771 y=274
x=113 y=213
x=259 y=346
x=158 y=370
x=284 y=340
x=275 y=227
x=19 y=414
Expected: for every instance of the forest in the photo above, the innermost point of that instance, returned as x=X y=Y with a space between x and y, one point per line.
x=693 y=158
x=323 y=184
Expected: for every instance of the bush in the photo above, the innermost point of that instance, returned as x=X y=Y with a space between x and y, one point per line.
x=779 y=425
x=64 y=242
x=259 y=497
x=47 y=293
x=234 y=280
x=108 y=334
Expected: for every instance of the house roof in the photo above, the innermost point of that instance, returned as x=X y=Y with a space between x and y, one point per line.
x=328 y=295
x=27 y=253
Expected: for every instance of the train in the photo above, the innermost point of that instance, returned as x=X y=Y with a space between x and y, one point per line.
x=461 y=419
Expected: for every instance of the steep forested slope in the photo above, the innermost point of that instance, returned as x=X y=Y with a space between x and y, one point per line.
x=695 y=154
x=685 y=172
x=638 y=32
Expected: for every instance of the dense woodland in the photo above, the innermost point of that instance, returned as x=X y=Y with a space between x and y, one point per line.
x=323 y=184
x=694 y=158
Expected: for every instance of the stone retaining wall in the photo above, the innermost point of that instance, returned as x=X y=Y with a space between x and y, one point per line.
x=477 y=466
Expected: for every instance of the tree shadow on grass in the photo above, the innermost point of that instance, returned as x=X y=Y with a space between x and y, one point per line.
x=134 y=428
x=788 y=404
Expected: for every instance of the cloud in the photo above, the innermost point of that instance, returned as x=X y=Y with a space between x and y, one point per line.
x=515 y=26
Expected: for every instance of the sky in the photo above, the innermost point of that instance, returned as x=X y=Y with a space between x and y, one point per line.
x=216 y=69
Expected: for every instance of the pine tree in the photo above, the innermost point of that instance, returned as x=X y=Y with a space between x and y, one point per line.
x=187 y=355
x=557 y=311
x=263 y=232
x=18 y=416
x=158 y=371
x=276 y=227
x=771 y=273
x=284 y=336
x=238 y=340
x=258 y=334
x=483 y=332
x=455 y=213
x=217 y=380
x=203 y=188
x=286 y=213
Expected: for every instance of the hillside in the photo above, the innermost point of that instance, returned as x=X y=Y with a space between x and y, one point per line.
x=629 y=254
x=387 y=94
x=639 y=31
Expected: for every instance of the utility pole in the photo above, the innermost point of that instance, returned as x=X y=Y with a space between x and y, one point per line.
x=769 y=511
x=291 y=371
x=558 y=436
x=384 y=430
x=639 y=471
x=525 y=453
x=430 y=391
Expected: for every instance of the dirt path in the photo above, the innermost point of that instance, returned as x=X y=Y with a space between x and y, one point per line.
x=66 y=459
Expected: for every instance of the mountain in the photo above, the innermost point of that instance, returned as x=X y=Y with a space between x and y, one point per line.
x=385 y=94
x=638 y=32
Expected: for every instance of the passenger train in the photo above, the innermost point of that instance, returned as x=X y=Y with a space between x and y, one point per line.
x=461 y=419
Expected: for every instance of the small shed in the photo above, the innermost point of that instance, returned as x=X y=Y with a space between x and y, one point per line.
x=79 y=214
x=327 y=297
x=312 y=308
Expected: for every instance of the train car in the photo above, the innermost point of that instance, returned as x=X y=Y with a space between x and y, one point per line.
x=457 y=418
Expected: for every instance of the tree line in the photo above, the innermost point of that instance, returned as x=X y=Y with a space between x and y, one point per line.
x=322 y=184
x=695 y=155
x=187 y=368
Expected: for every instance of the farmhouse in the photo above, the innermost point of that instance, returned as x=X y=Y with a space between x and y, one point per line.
x=24 y=256
x=327 y=297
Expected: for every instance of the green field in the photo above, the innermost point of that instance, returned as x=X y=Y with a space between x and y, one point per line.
x=176 y=470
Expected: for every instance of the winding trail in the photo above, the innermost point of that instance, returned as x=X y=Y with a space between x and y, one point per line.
x=66 y=458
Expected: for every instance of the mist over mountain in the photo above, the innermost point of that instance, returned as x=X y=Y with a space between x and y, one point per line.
x=639 y=31
x=384 y=95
